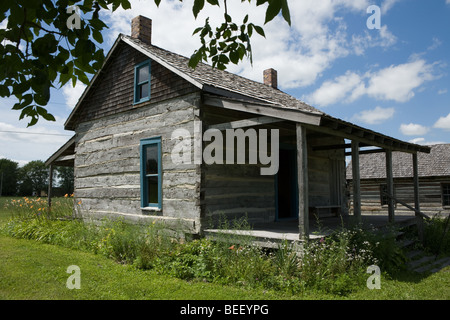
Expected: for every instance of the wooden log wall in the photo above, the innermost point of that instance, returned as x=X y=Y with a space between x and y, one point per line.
x=107 y=162
x=430 y=195
x=326 y=171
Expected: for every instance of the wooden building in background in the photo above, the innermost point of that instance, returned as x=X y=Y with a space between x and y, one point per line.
x=434 y=181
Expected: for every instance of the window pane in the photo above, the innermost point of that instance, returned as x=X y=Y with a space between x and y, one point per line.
x=143 y=90
x=142 y=74
x=152 y=159
x=446 y=195
x=152 y=195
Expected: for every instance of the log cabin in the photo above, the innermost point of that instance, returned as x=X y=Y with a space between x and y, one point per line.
x=434 y=176
x=149 y=132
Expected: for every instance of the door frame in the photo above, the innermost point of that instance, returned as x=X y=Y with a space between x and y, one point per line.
x=293 y=184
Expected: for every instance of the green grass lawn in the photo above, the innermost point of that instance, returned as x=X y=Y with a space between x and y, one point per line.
x=33 y=270
x=30 y=270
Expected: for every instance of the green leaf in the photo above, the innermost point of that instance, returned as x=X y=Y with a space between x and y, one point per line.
x=126 y=4
x=44 y=113
x=260 y=31
x=97 y=36
x=213 y=2
x=195 y=58
x=28 y=111
x=285 y=11
x=81 y=76
x=198 y=6
x=273 y=9
x=4 y=91
x=33 y=121
x=197 y=30
x=234 y=57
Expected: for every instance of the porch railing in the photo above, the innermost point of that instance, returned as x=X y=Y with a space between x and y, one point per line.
x=418 y=212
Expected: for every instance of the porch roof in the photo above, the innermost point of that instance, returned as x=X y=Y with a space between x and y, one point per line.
x=254 y=97
x=64 y=156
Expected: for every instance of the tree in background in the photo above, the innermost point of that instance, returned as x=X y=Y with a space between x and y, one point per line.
x=33 y=178
x=65 y=177
x=8 y=177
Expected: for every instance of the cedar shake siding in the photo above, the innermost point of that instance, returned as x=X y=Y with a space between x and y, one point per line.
x=113 y=90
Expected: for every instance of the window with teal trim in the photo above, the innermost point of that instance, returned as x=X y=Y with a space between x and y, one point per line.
x=142 y=82
x=151 y=173
x=446 y=194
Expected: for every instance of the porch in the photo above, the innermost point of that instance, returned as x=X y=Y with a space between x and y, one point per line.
x=271 y=234
x=311 y=175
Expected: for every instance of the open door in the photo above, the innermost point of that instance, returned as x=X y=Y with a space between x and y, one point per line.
x=286 y=185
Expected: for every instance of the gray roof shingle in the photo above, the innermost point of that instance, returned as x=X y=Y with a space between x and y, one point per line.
x=207 y=75
x=433 y=164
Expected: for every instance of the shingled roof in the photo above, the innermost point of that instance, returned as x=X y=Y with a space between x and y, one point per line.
x=206 y=75
x=234 y=88
x=433 y=164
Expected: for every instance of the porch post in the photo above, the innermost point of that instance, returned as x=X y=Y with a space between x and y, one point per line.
x=419 y=219
x=356 y=181
x=390 y=186
x=302 y=181
x=50 y=186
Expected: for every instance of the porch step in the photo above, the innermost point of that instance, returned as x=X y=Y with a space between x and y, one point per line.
x=265 y=239
x=420 y=261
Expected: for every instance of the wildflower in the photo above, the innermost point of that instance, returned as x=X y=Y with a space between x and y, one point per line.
x=66 y=195
x=322 y=240
x=232 y=247
x=79 y=202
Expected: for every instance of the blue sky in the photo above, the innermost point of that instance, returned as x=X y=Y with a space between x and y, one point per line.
x=394 y=80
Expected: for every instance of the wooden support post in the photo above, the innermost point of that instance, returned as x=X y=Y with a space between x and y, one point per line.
x=50 y=187
x=302 y=178
x=419 y=218
x=390 y=186
x=356 y=181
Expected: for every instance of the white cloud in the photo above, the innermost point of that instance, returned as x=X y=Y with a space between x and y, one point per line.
x=442 y=91
x=413 y=129
x=337 y=90
x=300 y=53
x=388 y=4
x=72 y=94
x=443 y=122
x=398 y=82
x=375 y=116
x=423 y=141
x=395 y=83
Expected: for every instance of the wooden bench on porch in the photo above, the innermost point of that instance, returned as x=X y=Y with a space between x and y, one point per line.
x=333 y=211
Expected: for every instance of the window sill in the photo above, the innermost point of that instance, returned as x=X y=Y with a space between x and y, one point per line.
x=141 y=101
x=153 y=209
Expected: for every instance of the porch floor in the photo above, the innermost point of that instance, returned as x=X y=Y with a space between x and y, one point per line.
x=288 y=230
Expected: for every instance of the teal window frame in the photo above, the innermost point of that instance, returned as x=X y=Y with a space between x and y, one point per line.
x=445 y=195
x=145 y=201
x=137 y=85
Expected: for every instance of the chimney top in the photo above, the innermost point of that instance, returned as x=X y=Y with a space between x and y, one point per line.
x=141 y=28
x=270 y=78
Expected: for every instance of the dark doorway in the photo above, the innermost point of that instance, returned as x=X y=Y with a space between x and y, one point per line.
x=286 y=185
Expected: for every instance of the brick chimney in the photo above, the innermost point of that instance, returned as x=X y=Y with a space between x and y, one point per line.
x=270 y=78
x=141 y=28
